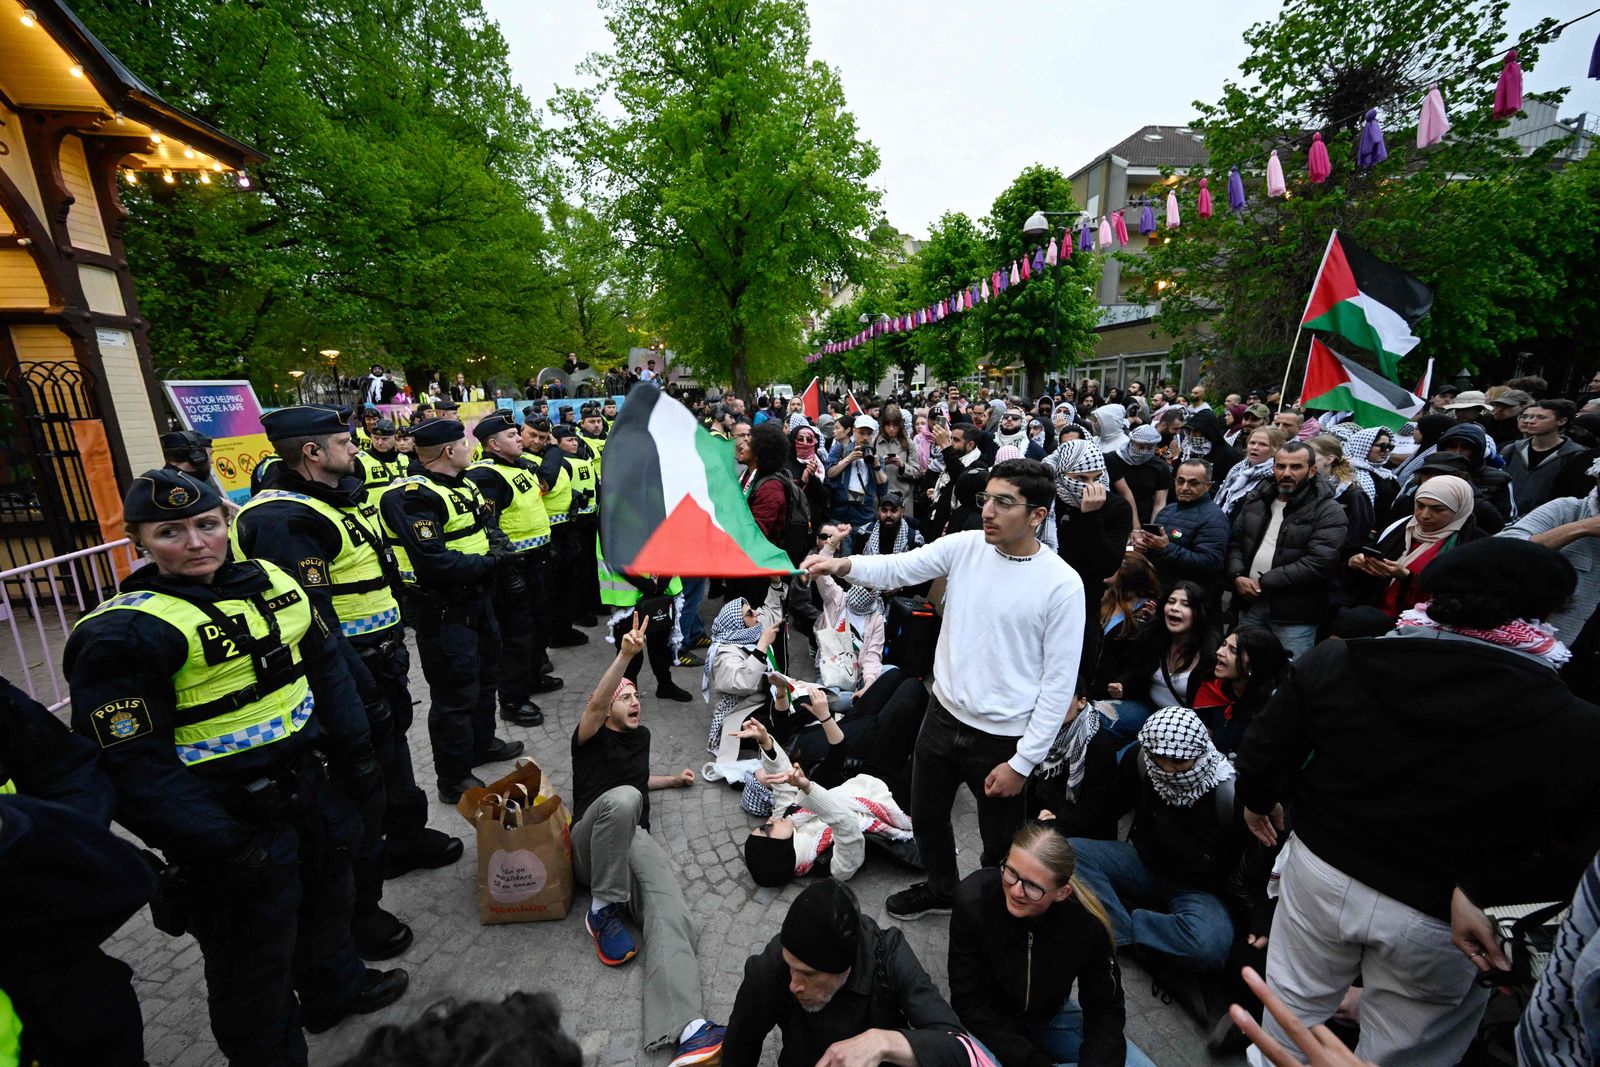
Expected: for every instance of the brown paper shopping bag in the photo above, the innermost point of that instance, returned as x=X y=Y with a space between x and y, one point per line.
x=524 y=849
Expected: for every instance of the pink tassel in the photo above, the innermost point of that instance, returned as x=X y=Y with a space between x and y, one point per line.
x=987 y=292
x=1433 y=123
x=1119 y=226
x=1203 y=209
x=1050 y=259
x=1173 y=217
x=1025 y=274
x=1016 y=278
x=1317 y=163
x=995 y=278
x=1508 y=91
x=1275 y=182
x=1105 y=232
x=1066 y=243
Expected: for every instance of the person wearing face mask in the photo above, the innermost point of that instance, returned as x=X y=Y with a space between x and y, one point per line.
x=1077 y=778
x=806 y=470
x=1138 y=474
x=1469 y=439
x=1022 y=936
x=1110 y=424
x=209 y=687
x=1093 y=523
x=1203 y=439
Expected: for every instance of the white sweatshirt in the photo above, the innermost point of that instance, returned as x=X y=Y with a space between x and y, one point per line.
x=1007 y=658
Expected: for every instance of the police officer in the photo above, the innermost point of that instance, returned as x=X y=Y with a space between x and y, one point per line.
x=626 y=594
x=189 y=451
x=511 y=486
x=382 y=462
x=448 y=549
x=319 y=524
x=592 y=430
x=220 y=704
x=363 y=433
x=555 y=482
x=608 y=412
x=585 y=523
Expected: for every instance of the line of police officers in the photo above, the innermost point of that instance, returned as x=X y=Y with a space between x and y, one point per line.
x=245 y=696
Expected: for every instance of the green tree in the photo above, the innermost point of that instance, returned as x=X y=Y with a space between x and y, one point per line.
x=591 y=291
x=1044 y=323
x=396 y=217
x=1236 y=285
x=734 y=169
x=954 y=255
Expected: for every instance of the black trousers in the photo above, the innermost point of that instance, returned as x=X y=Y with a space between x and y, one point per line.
x=657 y=640
x=880 y=730
x=283 y=928
x=383 y=655
x=562 y=587
x=460 y=649
x=513 y=612
x=586 y=580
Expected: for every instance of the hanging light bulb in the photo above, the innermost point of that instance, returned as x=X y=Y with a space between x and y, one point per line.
x=166 y=175
x=131 y=176
x=29 y=19
x=120 y=120
x=188 y=153
x=216 y=165
x=155 y=138
x=76 y=70
x=205 y=177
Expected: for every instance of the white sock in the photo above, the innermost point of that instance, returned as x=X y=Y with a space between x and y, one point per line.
x=597 y=905
x=689 y=1031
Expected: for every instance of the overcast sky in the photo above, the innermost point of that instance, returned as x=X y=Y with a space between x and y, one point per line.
x=959 y=97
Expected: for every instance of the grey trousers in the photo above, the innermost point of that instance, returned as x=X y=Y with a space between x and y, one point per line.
x=1420 y=1005
x=619 y=861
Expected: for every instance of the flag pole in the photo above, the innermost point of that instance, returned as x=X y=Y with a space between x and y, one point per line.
x=1283 y=390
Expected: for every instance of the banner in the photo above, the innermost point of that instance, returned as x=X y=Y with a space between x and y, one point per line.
x=229 y=414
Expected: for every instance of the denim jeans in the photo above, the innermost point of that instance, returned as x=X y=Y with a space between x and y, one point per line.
x=1295 y=637
x=1131 y=715
x=948 y=754
x=1062 y=1038
x=1147 y=909
x=694 y=594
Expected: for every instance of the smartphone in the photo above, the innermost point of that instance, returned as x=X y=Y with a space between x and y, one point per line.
x=1153 y=528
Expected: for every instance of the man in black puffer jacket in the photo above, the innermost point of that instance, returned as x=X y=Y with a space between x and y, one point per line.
x=1285 y=550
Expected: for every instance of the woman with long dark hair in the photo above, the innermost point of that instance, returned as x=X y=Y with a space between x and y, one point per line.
x=1250 y=665
x=1174 y=655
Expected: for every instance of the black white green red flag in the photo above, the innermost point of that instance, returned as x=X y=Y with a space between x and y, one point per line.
x=1334 y=383
x=673 y=505
x=1369 y=303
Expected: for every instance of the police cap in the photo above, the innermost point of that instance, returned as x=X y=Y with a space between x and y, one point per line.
x=564 y=429
x=493 y=423
x=445 y=405
x=163 y=494
x=384 y=428
x=303 y=420
x=437 y=432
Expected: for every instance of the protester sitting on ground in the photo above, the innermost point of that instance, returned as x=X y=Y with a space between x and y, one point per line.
x=1021 y=938
x=1173 y=656
x=812 y=831
x=1175 y=887
x=735 y=681
x=1190 y=539
x=1334 y=468
x=626 y=869
x=1253 y=470
x=1571 y=526
x=523 y=1029
x=1132 y=595
x=1077 y=777
x=1093 y=523
x=805 y=469
x=849 y=629
x=1442 y=519
x=840 y=990
x=1399 y=754
x=1250 y=665
x=1138 y=474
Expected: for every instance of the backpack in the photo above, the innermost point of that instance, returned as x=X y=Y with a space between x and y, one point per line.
x=796 y=540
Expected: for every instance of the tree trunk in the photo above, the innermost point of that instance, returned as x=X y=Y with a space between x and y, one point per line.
x=740 y=374
x=1035 y=379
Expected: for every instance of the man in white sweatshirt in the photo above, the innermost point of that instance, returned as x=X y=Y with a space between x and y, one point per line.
x=1003 y=672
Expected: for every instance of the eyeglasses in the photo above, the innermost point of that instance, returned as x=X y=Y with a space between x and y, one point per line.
x=1001 y=503
x=1009 y=877
x=1384 y=448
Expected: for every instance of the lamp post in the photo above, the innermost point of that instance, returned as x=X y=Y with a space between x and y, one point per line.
x=1037 y=226
x=299 y=397
x=864 y=319
x=332 y=356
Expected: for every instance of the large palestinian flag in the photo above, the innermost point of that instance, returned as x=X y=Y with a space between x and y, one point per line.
x=1334 y=383
x=1367 y=302
x=673 y=505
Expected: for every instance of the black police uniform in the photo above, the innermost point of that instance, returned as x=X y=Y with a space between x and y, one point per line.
x=66 y=884
x=567 y=554
x=259 y=838
x=448 y=603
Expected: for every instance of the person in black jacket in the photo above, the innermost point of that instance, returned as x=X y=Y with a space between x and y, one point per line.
x=1485 y=516
x=1203 y=439
x=1021 y=936
x=1452 y=770
x=967 y=452
x=1093 y=523
x=40 y=757
x=1078 y=776
x=833 y=982
x=1173 y=656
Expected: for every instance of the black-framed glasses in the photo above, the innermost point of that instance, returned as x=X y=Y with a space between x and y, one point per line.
x=1009 y=877
x=1384 y=447
x=1001 y=501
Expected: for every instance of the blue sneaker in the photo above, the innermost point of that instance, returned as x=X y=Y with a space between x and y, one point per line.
x=703 y=1047
x=612 y=942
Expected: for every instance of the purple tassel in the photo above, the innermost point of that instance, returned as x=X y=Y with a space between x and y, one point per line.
x=1594 y=61
x=1372 y=151
x=1235 y=190
x=1038 y=260
x=1005 y=280
x=1147 y=221
x=1085 y=239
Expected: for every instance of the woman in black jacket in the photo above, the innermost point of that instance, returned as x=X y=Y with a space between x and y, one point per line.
x=1020 y=938
x=1384 y=575
x=1174 y=655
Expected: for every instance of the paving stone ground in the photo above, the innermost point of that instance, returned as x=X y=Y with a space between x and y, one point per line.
x=454 y=956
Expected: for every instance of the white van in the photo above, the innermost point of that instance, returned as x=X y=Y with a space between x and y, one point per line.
x=779 y=390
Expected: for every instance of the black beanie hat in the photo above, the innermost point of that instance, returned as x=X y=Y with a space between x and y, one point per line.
x=1506 y=567
x=771 y=861
x=823 y=927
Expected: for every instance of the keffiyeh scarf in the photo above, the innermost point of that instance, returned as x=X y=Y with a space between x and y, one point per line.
x=1528 y=636
x=1070 y=746
x=1178 y=733
x=728 y=629
x=1073 y=457
x=1356 y=449
x=860 y=600
x=1141 y=446
x=1241 y=479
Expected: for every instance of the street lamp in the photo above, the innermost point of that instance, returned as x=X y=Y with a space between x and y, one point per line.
x=332 y=356
x=1037 y=226
x=299 y=397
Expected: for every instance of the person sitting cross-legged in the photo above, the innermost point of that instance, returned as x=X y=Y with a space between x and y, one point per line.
x=625 y=868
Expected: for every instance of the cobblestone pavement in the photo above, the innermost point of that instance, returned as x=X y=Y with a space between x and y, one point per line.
x=454 y=956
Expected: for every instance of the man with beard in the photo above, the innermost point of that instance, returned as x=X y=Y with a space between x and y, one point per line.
x=823 y=983
x=1014 y=432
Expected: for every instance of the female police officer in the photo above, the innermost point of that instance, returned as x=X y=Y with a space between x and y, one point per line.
x=216 y=697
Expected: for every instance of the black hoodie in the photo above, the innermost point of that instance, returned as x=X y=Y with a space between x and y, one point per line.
x=1222 y=456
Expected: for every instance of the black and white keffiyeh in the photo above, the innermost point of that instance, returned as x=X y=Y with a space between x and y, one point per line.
x=1177 y=733
x=727 y=629
x=1071 y=745
x=860 y=600
x=1242 y=478
x=1073 y=457
x=1357 y=447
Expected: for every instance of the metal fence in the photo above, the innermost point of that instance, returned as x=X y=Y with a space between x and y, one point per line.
x=41 y=601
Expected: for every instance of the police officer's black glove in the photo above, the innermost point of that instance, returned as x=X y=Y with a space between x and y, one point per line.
x=514 y=582
x=362 y=775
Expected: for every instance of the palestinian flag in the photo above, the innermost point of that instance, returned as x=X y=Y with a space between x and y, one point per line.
x=1334 y=383
x=850 y=405
x=812 y=399
x=673 y=503
x=1367 y=302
